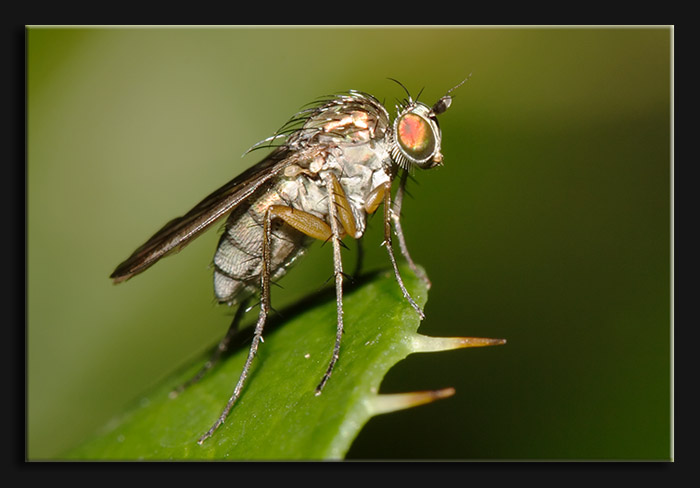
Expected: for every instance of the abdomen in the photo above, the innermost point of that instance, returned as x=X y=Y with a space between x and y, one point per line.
x=238 y=259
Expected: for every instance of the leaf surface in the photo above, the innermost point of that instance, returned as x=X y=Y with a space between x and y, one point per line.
x=278 y=416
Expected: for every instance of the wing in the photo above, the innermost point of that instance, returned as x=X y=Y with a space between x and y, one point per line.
x=180 y=231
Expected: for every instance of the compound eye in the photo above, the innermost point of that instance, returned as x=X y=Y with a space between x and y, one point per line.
x=416 y=137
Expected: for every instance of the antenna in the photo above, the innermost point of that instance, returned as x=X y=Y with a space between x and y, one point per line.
x=445 y=101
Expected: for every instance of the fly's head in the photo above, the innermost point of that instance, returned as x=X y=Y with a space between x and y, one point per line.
x=416 y=132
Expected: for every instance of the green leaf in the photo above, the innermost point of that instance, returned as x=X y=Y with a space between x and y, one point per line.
x=278 y=416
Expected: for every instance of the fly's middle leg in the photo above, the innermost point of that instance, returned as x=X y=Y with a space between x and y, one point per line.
x=341 y=220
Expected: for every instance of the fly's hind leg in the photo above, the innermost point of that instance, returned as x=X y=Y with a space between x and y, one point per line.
x=302 y=221
x=221 y=348
x=259 y=325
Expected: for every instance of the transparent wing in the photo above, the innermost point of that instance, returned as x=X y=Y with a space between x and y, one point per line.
x=180 y=231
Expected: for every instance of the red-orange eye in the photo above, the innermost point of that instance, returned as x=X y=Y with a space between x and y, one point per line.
x=415 y=136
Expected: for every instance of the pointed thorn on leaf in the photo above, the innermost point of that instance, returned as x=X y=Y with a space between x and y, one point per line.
x=386 y=403
x=422 y=343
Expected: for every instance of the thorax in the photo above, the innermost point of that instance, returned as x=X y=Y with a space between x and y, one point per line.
x=359 y=168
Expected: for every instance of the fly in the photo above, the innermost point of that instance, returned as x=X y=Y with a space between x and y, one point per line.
x=335 y=166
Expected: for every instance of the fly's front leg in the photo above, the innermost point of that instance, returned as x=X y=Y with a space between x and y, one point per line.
x=396 y=217
x=379 y=194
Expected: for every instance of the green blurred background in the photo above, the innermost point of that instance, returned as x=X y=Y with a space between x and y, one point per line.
x=549 y=224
